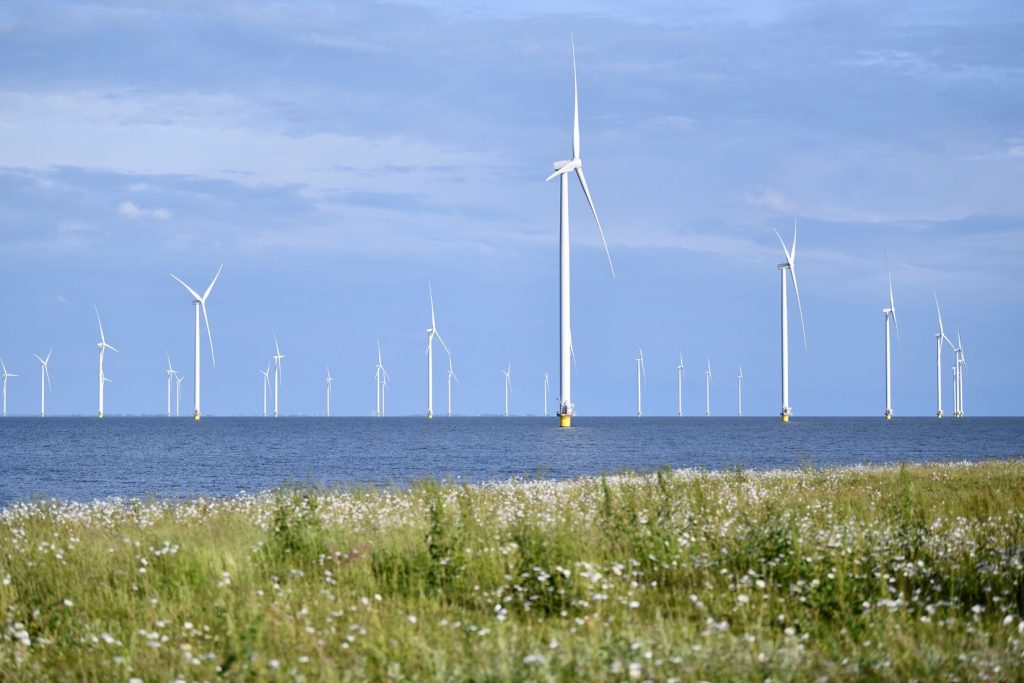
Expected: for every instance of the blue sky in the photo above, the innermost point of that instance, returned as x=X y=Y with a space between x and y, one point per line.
x=337 y=157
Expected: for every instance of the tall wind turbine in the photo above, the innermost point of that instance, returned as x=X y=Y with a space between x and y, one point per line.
x=640 y=370
x=171 y=374
x=277 y=372
x=739 y=381
x=958 y=376
x=451 y=376
x=508 y=385
x=382 y=378
x=431 y=333
x=707 y=381
x=103 y=346
x=178 y=377
x=889 y=312
x=790 y=267
x=6 y=375
x=547 y=390
x=330 y=383
x=566 y=408
x=200 y=302
x=266 y=386
x=44 y=381
x=679 y=383
x=940 y=337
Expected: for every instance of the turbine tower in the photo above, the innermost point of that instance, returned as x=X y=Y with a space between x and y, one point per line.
x=431 y=333
x=200 y=302
x=330 y=383
x=790 y=267
x=451 y=376
x=889 y=312
x=178 y=377
x=508 y=385
x=739 y=381
x=566 y=408
x=171 y=374
x=707 y=381
x=547 y=390
x=103 y=346
x=277 y=372
x=640 y=370
x=266 y=386
x=958 y=374
x=44 y=381
x=382 y=378
x=6 y=375
x=940 y=337
x=679 y=384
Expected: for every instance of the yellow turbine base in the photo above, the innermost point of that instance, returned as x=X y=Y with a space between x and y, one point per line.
x=196 y=417
x=785 y=418
x=430 y=415
x=101 y=416
x=565 y=420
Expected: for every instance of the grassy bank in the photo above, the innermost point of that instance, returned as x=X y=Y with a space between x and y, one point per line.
x=881 y=573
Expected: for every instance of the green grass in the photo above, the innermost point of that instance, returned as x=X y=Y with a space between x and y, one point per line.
x=896 y=573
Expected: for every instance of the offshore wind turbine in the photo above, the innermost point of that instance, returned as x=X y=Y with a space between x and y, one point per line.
x=739 y=380
x=44 y=381
x=382 y=378
x=889 y=312
x=6 y=375
x=566 y=408
x=178 y=377
x=508 y=385
x=431 y=333
x=171 y=374
x=266 y=386
x=547 y=390
x=679 y=384
x=640 y=370
x=103 y=346
x=958 y=376
x=940 y=337
x=200 y=302
x=451 y=376
x=707 y=381
x=277 y=372
x=330 y=383
x=790 y=267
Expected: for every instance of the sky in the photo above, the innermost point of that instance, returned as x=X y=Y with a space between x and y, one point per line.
x=337 y=158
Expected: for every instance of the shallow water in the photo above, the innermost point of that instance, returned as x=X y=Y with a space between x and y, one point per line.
x=85 y=458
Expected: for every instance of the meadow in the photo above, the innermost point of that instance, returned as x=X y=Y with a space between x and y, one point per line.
x=912 y=572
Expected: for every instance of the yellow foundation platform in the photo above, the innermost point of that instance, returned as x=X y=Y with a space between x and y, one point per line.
x=565 y=420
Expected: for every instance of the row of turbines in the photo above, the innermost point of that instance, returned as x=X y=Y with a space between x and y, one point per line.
x=566 y=408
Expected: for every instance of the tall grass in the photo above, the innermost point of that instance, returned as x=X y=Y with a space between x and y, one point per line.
x=895 y=573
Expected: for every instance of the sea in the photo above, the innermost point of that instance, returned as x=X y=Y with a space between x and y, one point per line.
x=84 y=459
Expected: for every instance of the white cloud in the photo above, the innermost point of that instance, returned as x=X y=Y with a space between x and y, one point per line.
x=773 y=200
x=132 y=210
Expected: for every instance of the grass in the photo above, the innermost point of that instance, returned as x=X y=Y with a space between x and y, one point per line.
x=894 y=573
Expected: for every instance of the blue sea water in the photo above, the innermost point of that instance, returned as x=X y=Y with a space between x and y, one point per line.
x=84 y=458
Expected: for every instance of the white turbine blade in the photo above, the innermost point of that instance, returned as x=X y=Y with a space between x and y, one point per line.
x=792 y=251
x=433 y=322
x=441 y=339
x=39 y=359
x=210 y=288
x=939 y=311
x=785 y=250
x=277 y=349
x=586 y=191
x=46 y=371
x=103 y=340
x=799 y=306
x=575 y=106
x=190 y=290
x=48 y=353
x=108 y=346
x=209 y=334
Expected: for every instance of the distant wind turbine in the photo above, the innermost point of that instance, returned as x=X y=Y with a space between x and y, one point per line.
x=103 y=346
x=330 y=383
x=431 y=333
x=958 y=376
x=171 y=374
x=200 y=302
x=178 y=377
x=679 y=384
x=790 y=266
x=44 y=381
x=6 y=375
x=566 y=408
x=640 y=370
x=739 y=381
x=547 y=390
x=940 y=337
x=451 y=376
x=508 y=385
x=382 y=381
x=278 y=357
x=266 y=386
x=889 y=312
x=707 y=381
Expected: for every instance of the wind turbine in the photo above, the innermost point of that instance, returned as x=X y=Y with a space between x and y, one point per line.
x=508 y=385
x=889 y=312
x=200 y=302
x=940 y=337
x=707 y=381
x=178 y=377
x=6 y=375
x=171 y=374
x=640 y=370
x=44 y=380
x=103 y=346
x=679 y=383
x=382 y=378
x=739 y=380
x=330 y=383
x=958 y=374
x=451 y=376
x=277 y=371
x=431 y=333
x=790 y=266
x=266 y=386
x=566 y=409
x=547 y=390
